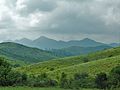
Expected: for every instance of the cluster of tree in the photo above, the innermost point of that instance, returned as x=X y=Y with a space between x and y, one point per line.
x=101 y=81
x=109 y=81
x=41 y=81
x=8 y=77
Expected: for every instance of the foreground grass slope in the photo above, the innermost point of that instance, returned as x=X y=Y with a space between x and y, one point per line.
x=54 y=65
x=92 y=68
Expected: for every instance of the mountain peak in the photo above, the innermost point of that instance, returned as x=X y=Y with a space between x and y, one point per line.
x=43 y=37
x=87 y=39
x=24 y=39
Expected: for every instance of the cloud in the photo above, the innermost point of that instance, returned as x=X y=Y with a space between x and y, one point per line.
x=60 y=18
x=31 y=6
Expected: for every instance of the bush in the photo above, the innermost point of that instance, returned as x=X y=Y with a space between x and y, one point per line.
x=8 y=77
x=82 y=80
x=115 y=77
x=64 y=82
x=41 y=81
x=101 y=81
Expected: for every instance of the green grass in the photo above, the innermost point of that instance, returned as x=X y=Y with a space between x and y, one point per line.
x=28 y=88
x=70 y=62
x=92 y=68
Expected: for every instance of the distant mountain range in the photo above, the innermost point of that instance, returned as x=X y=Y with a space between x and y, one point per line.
x=114 y=44
x=47 y=43
x=31 y=51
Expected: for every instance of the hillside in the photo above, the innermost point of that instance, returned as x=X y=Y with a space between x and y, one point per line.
x=47 y=43
x=58 y=64
x=20 y=52
x=92 y=68
x=77 y=50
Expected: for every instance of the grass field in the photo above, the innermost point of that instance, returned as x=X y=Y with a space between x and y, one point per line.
x=28 y=88
x=92 y=68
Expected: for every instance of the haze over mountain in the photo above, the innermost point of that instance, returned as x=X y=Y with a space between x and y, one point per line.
x=47 y=43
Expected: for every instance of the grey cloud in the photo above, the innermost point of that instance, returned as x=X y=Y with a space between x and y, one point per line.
x=69 y=18
x=72 y=18
x=32 y=6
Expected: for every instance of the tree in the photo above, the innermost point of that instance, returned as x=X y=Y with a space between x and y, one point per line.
x=8 y=77
x=115 y=76
x=101 y=81
x=64 y=83
x=41 y=81
x=80 y=80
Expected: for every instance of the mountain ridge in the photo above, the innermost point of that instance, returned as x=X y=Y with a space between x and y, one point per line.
x=47 y=43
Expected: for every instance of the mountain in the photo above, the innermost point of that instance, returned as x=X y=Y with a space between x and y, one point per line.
x=77 y=50
x=84 y=43
x=20 y=52
x=24 y=41
x=114 y=44
x=47 y=43
x=92 y=63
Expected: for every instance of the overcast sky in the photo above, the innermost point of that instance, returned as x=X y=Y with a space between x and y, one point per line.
x=60 y=19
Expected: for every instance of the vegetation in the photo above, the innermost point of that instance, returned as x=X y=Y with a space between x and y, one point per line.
x=77 y=50
x=30 y=88
x=8 y=77
x=92 y=68
x=23 y=53
x=69 y=64
x=97 y=70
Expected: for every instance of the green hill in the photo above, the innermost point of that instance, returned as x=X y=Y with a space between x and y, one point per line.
x=92 y=68
x=64 y=63
x=77 y=50
x=20 y=52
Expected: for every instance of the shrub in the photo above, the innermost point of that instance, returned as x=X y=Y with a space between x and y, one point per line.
x=64 y=82
x=8 y=77
x=101 y=80
x=115 y=77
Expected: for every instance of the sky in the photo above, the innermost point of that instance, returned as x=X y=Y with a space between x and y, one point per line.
x=60 y=19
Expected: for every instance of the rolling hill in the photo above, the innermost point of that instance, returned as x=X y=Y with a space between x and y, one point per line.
x=77 y=50
x=20 y=52
x=92 y=68
x=93 y=62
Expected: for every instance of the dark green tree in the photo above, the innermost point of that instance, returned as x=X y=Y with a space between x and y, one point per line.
x=8 y=77
x=64 y=83
x=115 y=77
x=101 y=80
